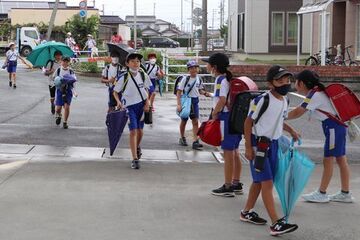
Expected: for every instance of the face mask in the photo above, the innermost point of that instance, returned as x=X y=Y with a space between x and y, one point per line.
x=152 y=61
x=283 y=90
x=115 y=60
x=134 y=70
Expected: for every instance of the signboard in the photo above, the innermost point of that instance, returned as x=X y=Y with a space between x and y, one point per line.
x=83 y=8
x=197 y=12
x=82 y=13
x=82 y=4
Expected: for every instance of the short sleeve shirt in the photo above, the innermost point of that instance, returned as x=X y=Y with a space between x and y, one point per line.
x=195 y=91
x=152 y=70
x=271 y=123
x=12 y=55
x=222 y=88
x=318 y=100
x=110 y=71
x=55 y=66
x=131 y=95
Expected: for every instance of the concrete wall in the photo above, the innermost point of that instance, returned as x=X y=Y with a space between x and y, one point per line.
x=24 y=16
x=233 y=25
x=257 y=26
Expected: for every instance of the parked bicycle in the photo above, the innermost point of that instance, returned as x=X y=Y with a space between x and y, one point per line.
x=316 y=58
x=340 y=58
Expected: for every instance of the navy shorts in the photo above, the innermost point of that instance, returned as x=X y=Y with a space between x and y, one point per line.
x=11 y=66
x=59 y=99
x=268 y=173
x=335 y=138
x=136 y=116
x=194 y=111
x=228 y=141
x=152 y=88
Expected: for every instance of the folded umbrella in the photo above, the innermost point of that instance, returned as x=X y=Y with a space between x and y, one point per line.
x=293 y=172
x=43 y=53
x=115 y=122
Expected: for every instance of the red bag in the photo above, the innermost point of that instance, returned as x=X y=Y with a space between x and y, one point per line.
x=210 y=133
x=238 y=85
x=345 y=102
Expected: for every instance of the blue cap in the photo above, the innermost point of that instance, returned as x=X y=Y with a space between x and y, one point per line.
x=192 y=63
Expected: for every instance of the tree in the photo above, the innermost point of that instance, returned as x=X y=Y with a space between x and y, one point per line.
x=224 y=31
x=199 y=33
x=138 y=33
x=80 y=27
x=5 y=30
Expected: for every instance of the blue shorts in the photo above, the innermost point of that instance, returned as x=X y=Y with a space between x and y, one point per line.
x=11 y=66
x=229 y=141
x=335 y=138
x=194 y=112
x=136 y=116
x=59 y=99
x=152 y=88
x=268 y=173
x=112 y=101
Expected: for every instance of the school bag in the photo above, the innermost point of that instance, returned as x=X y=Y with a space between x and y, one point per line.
x=238 y=85
x=177 y=81
x=118 y=70
x=210 y=132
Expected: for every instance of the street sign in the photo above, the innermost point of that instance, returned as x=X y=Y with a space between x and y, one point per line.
x=82 y=4
x=197 y=12
x=197 y=21
x=82 y=13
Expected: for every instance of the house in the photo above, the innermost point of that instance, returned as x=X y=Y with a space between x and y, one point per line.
x=142 y=22
x=342 y=24
x=149 y=32
x=20 y=12
x=171 y=32
x=267 y=26
x=161 y=25
x=110 y=24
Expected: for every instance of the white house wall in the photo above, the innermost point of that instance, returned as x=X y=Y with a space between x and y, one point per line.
x=257 y=26
x=233 y=25
x=306 y=27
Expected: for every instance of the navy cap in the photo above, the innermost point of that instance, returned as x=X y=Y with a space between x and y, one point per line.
x=276 y=72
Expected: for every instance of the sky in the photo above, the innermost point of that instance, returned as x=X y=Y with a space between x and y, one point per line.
x=168 y=10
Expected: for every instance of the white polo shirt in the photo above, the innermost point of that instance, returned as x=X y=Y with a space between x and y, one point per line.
x=112 y=72
x=152 y=70
x=12 y=55
x=318 y=100
x=195 y=91
x=221 y=90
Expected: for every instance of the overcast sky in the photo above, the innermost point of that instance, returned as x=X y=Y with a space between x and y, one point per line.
x=168 y=10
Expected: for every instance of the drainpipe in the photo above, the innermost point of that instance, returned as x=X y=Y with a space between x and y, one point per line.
x=323 y=38
x=298 y=41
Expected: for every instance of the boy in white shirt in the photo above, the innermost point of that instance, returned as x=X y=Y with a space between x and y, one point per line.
x=90 y=44
x=65 y=93
x=133 y=87
x=191 y=85
x=153 y=70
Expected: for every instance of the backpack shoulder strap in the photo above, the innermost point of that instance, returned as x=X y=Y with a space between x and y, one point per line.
x=58 y=72
x=263 y=107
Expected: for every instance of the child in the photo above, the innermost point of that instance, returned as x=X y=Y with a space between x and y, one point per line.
x=217 y=65
x=193 y=86
x=12 y=56
x=65 y=93
x=90 y=44
x=267 y=130
x=109 y=76
x=133 y=87
x=154 y=72
x=49 y=71
x=308 y=83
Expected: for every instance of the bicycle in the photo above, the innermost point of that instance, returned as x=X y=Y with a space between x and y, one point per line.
x=340 y=58
x=315 y=59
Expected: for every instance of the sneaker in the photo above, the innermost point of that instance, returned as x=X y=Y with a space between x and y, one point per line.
x=182 y=142
x=14 y=86
x=316 y=197
x=10 y=84
x=223 y=191
x=58 y=120
x=252 y=217
x=65 y=125
x=281 y=227
x=138 y=152
x=52 y=109
x=196 y=145
x=238 y=188
x=135 y=164
x=341 y=197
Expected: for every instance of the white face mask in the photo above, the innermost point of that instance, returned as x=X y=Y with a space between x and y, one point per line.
x=115 y=60
x=134 y=70
x=152 y=61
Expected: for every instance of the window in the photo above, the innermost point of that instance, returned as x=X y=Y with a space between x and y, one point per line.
x=31 y=34
x=292 y=31
x=278 y=25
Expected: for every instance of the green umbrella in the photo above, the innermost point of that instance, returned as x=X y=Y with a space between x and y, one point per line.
x=42 y=53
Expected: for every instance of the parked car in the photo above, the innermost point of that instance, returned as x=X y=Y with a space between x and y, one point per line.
x=163 y=42
x=217 y=43
x=139 y=43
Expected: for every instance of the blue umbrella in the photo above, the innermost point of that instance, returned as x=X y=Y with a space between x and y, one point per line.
x=115 y=122
x=293 y=172
x=42 y=53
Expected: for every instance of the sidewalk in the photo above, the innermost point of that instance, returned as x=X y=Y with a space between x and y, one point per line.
x=108 y=200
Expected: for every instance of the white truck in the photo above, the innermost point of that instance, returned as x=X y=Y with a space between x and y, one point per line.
x=26 y=39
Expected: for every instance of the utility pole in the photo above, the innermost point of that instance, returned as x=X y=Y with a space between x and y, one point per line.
x=222 y=11
x=52 y=20
x=103 y=9
x=135 y=30
x=204 y=25
x=182 y=15
x=154 y=8
x=192 y=25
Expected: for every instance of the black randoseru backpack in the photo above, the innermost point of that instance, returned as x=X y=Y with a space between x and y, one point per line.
x=240 y=110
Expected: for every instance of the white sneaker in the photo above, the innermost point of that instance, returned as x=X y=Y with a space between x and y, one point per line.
x=316 y=197
x=341 y=197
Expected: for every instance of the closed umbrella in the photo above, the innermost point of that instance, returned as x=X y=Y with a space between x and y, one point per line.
x=293 y=172
x=43 y=53
x=115 y=122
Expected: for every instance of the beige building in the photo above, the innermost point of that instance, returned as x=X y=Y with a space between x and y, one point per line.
x=26 y=15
